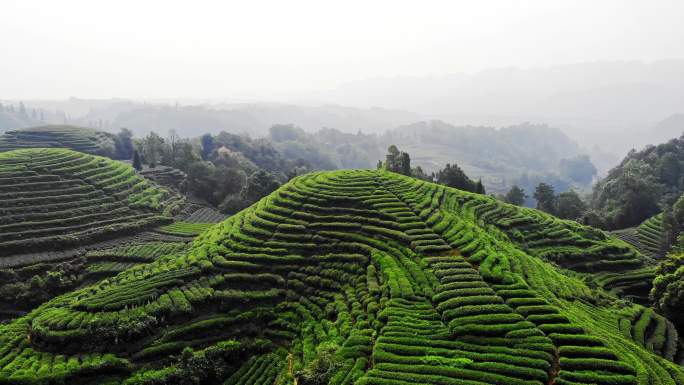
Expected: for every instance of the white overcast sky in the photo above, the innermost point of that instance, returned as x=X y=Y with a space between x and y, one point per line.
x=279 y=50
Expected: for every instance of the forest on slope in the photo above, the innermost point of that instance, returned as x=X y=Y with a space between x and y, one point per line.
x=643 y=184
x=222 y=163
x=323 y=127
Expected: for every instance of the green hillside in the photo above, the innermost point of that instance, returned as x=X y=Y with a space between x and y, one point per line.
x=650 y=234
x=642 y=185
x=359 y=277
x=55 y=198
x=55 y=136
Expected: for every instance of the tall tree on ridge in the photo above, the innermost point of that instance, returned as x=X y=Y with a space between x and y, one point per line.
x=516 y=196
x=546 y=198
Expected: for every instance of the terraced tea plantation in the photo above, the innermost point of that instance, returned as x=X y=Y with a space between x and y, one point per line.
x=358 y=277
x=54 y=198
x=76 y=138
x=651 y=234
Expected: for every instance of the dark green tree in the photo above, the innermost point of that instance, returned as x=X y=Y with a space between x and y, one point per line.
x=321 y=369
x=592 y=218
x=123 y=143
x=667 y=294
x=578 y=169
x=137 y=164
x=200 y=181
x=405 y=164
x=152 y=146
x=516 y=196
x=569 y=205
x=172 y=146
x=393 y=159
x=453 y=176
x=669 y=169
x=398 y=161
x=186 y=155
x=546 y=198
x=479 y=187
x=208 y=146
x=418 y=173
x=228 y=181
x=259 y=184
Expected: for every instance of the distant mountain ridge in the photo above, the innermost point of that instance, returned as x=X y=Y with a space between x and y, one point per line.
x=613 y=104
x=499 y=156
x=252 y=118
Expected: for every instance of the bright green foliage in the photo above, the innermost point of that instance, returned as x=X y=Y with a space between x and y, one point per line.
x=668 y=287
x=184 y=228
x=634 y=285
x=108 y=262
x=641 y=185
x=364 y=277
x=76 y=138
x=650 y=234
x=53 y=198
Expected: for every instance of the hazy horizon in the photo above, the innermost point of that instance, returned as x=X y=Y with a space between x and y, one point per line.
x=298 y=51
x=593 y=69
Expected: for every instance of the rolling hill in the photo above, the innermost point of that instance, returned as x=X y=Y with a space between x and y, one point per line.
x=59 y=136
x=51 y=199
x=359 y=277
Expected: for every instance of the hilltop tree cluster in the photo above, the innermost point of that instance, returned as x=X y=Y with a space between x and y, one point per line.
x=515 y=196
x=233 y=171
x=451 y=175
x=667 y=294
x=566 y=205
x=643 y=184
x=227 y=171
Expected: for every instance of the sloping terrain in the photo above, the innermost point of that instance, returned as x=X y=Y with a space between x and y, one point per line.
x=56 y=198
x=650 y=234
x=358 y=277
x=165 y=176
x=55 y=136
x=640 y=186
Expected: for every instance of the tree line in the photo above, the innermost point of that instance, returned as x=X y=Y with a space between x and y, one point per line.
x=566 y=205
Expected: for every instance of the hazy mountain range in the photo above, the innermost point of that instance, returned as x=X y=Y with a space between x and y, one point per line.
x=611 y=104
x=606 y=107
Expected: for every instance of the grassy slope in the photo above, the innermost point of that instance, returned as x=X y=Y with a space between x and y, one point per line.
x=409 y=282
x=650 y=234
x=58 y=136
x=54 y=198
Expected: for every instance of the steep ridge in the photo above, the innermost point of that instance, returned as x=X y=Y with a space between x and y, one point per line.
x=401 y=281
x=51 y=199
